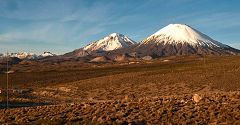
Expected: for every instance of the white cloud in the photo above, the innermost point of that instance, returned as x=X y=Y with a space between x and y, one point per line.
x=35 y=10
x=49 y=22
x=36 y=39
x=32 y=34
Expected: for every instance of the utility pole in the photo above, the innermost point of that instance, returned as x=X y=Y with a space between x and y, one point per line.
x=7 y=80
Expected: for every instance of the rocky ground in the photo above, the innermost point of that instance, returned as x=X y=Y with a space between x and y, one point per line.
x=153 y=92
x=210 y=108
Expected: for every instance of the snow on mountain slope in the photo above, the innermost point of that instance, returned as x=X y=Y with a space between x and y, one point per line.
x=112 y=42
x=181 y=39
x=182 y=33
x=46 y=54
x=24 y=55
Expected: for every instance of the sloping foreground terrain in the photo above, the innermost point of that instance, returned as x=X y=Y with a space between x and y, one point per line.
x=180 y=90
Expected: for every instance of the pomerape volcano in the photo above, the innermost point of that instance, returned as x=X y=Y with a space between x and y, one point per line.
x=111 y=42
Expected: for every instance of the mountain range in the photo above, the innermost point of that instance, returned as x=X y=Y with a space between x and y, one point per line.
x=172 y=40
x=28 y=56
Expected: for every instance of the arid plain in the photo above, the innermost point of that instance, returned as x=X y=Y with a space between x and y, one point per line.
x=173 y=90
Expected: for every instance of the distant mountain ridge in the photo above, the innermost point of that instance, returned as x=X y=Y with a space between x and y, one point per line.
x=27 y=55
x=172 y=40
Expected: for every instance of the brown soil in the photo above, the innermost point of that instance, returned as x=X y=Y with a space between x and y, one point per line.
x=151 y=92
x=214 y=108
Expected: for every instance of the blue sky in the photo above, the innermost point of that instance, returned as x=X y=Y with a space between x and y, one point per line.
x=61 y=26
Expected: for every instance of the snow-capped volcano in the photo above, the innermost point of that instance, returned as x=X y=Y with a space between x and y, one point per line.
x=182 y=33
x=112 y=42
x=181 y=39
